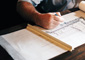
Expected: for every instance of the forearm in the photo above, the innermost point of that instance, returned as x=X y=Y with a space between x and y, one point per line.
x=27 y=10
x=47 y=20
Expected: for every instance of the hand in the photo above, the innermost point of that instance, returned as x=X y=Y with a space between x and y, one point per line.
x=49 y=20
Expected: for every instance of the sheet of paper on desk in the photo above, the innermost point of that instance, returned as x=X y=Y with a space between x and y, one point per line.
x=72 y=31
x=32 y=47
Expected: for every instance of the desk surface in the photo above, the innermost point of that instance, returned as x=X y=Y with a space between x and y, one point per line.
x=77 y=54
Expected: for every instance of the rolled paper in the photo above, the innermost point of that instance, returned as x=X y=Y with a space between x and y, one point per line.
x=82 y=6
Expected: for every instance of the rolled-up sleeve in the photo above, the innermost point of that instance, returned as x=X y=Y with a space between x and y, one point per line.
x=33 y=2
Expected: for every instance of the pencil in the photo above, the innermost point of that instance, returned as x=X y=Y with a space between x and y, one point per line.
x=58 y=14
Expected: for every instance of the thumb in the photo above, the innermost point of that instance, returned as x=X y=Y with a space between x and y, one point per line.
x=52 y=13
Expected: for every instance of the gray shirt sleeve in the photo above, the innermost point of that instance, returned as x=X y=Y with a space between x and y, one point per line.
x=33 y=2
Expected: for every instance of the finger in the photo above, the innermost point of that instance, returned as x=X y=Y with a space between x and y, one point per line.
x=60 y=19
x=56 y=22
x=52 y=13
x=59 y=14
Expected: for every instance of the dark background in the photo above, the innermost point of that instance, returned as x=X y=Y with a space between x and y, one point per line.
x=9 y=15
x=8 y=18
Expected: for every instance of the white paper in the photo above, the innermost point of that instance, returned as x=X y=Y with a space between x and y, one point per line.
x=31 y=46
x=72 y=31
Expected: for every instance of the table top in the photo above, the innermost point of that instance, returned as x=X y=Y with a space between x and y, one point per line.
x=77 y=54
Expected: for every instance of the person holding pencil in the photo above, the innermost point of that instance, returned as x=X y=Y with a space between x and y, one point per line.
x=42 y=12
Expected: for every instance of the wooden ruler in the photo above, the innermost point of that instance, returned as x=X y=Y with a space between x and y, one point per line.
x=49 y=38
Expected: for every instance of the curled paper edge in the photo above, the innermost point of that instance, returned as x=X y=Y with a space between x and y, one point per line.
x=82 y=6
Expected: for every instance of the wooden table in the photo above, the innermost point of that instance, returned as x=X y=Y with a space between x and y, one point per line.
x=77 y=54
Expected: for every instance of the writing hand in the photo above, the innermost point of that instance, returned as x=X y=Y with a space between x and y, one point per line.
x=49 y=20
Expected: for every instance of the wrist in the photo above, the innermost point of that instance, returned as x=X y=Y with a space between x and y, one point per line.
x=36 y=17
